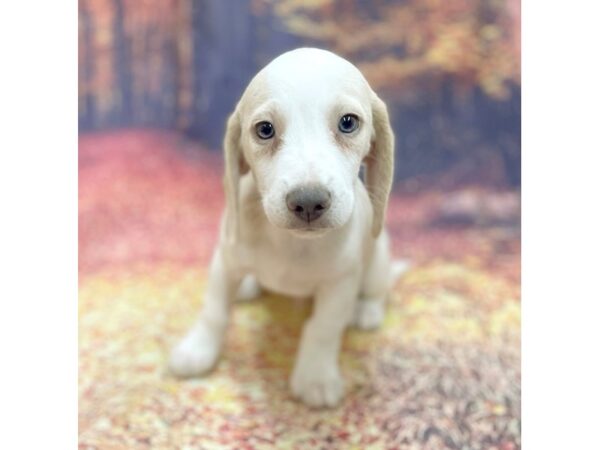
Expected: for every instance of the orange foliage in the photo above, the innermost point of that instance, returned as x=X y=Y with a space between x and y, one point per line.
x=399 y=43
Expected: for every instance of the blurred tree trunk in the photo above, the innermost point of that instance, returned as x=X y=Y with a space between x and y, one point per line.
x=168 y=113
x=122 y=64
x=223 y=42
x=88 y=118
x=183 y=64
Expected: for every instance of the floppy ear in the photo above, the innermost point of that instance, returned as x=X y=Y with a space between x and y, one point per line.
x=235 y=166
x=380 y=163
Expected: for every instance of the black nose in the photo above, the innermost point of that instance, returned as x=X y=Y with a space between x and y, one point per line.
x=308 y=202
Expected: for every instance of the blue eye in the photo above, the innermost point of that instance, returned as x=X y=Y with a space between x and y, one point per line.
x=348 y=123
x=265 y=130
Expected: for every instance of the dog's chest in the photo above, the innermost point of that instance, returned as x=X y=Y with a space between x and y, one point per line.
x=295 y=267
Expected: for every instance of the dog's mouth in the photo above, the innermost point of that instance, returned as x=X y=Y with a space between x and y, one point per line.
x=309 y=231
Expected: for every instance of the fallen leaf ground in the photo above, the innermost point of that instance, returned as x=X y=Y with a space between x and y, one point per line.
x=443 y=372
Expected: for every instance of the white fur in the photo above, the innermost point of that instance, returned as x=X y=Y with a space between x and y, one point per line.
x=343 y=259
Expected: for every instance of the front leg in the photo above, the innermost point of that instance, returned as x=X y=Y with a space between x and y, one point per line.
x=199 y=350
x=316 y=378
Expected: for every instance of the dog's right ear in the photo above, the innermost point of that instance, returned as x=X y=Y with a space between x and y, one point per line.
x=235 y=167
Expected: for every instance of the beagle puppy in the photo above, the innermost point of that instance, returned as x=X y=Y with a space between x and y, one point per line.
x=299 y=220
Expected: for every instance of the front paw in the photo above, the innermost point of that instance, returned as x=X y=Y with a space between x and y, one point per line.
x=196 y=353
x=317 y=386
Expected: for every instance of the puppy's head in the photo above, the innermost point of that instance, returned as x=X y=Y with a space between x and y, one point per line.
x=303 y=127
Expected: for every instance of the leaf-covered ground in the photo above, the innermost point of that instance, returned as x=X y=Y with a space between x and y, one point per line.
x=443 y=372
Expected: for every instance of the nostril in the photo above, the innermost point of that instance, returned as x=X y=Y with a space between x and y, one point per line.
x=319 y=207
x=299 y=209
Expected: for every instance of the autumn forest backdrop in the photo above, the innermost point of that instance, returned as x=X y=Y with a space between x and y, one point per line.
x=157 y=79
x=448 y=69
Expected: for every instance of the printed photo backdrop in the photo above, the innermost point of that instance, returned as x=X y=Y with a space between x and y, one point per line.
x=157 y=80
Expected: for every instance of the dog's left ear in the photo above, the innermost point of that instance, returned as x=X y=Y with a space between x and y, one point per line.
x=380 y=163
